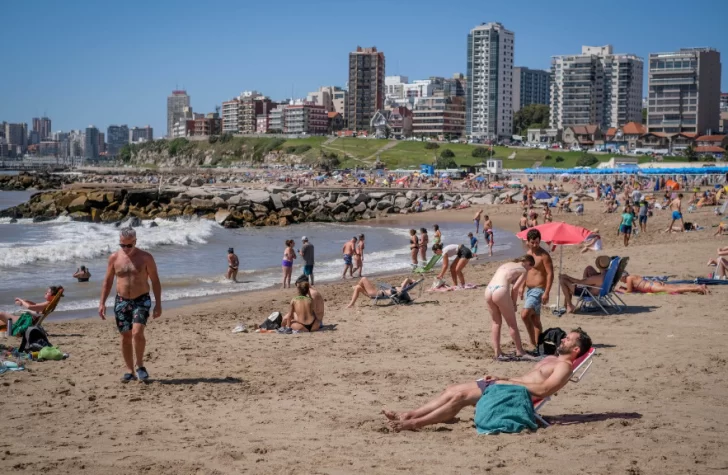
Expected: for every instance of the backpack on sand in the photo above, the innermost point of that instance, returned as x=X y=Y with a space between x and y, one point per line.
x=549 y=341
x=34 y=338
x=273 y=322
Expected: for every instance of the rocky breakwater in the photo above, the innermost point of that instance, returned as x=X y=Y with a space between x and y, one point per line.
x=38 y=181
x=235 y=207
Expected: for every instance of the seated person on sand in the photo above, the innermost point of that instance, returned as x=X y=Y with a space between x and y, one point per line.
x=545 y=379
x=82 y=274
x=28 y=317
x=318 y=303
x=591 y=277
x=366 y=287
x=592 y=242
x=637 y=283
x=722 y=227
x=302 y=316
x=721 y=262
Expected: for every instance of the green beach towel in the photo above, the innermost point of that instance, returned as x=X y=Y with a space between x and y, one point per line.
x=24 y=321
x=504 y=408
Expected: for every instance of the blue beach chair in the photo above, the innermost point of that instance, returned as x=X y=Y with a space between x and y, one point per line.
x=604 y=296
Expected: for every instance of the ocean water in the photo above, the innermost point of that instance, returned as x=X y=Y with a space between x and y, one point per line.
x=191 y=255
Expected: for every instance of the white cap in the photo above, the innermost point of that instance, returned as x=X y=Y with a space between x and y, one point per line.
x=304 y=238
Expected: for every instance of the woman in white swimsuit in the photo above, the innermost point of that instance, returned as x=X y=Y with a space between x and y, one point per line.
x=501 y=296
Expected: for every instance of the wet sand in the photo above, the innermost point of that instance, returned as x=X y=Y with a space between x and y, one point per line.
x=223 y=403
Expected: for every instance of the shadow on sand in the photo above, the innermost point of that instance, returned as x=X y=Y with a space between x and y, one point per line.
x=193 y=381
x=569 y=419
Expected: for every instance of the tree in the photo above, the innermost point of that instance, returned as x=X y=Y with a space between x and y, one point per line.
x=691 y=154
x=447 y=153
x=125 y=153
x=559 y=159
x=431 y=146
x=480 y=152
x=586 y=161
x=531 y=116
x=644 y=116
x=445 y=162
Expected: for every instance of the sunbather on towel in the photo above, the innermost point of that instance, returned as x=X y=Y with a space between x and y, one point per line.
x=637 y=283
x=365 y=286
x=545 y=379
x=31 y=312
x=592 y=277
x=318 y=304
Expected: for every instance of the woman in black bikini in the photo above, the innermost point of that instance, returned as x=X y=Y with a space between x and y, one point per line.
x=302 y=310
x=414 y=246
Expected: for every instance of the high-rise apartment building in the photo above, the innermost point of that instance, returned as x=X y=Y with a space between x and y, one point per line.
x=684 y=91
x=91 y=143
x=596 y=87
x=141 y=134
x=366 y=86
x=16 y=136
x=439 y=116
x=489 y=96
x=102 y=143
x=724 y=101
x=116 y=137
x=45 y=128
x=530 y=86
x=176 y=102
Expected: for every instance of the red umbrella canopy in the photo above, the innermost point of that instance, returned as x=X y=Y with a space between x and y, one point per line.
x=559 y=233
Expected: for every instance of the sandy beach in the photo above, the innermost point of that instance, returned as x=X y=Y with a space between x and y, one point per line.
x=224 y=403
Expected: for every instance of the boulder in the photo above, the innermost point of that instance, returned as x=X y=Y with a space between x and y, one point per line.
x=258 y=196
x=283 y=221
x=80 y=216
x=219 y=202
x=360 y=208
x=222 y=215
x=174 y=213
x=79 y=204
x=306 y=198
x=358 y=198
x=372 y=204
x=402 y=202
x=96 y=215
x=186 y=181
x=340 y=208
x=342 y=199
x=141 y=197
x=285 y=213
x=382 y=205
x=197 y=182
x=378 y=195
x=277 y=201
x=202 y=205
x=259 y=208
x=111 y=216
x=411 y=195
x=239 y=200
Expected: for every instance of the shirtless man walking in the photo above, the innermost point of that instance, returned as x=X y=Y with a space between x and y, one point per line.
x=538 y=286
x=545 y=379
x=676 y=208
x=476 y=220
x=348 y=250
x=133 y=269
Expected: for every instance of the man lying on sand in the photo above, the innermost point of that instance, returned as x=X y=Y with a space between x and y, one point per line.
x=365 y=286
x=591 y=277
x=637 y=283
x=545 y=379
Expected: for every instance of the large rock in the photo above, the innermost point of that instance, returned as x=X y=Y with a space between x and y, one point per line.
x=96 y=215
x=141 y=197
x=239 y=200
x=382 y=205
x=411 y=195
x=340 y=208
x=360 y=208
x=258 y=196
x=307 y=198
x=79 y=204
x=259 y=208
x=80 y=216
x=285 y=213
x=186 y=181
x=378 y=195
x=402 y=202
x=222 y=215
x=111 y=216
x=218 y=202
x=372 y=204
x=358 y=198
x=277 y=201
x=202 y=205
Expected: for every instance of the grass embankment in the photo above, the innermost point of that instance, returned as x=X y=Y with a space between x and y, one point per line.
x=363 y=152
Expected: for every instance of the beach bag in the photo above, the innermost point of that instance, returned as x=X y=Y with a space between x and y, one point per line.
x=34 y=338
x=273 y=322
x=549 y=341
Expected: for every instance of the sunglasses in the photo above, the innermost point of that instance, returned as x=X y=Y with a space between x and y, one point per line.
x=126 y=246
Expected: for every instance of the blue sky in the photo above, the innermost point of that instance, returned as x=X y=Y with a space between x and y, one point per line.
x=89 y=62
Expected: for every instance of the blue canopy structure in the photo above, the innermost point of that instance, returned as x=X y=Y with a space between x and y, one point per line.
x=542 y=195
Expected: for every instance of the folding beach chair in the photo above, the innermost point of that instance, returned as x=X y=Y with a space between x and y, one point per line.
x=50 y=307
x=429 y=266
x=580 y=367
x=604 y=296
x=398 y=298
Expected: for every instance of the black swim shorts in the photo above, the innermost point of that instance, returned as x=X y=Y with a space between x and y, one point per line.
x=131 y=311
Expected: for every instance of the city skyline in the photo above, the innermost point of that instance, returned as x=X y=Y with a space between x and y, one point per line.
x=75 y=92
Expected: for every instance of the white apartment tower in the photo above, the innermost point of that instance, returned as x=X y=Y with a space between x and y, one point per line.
x=489 y=96
x=596 y=87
